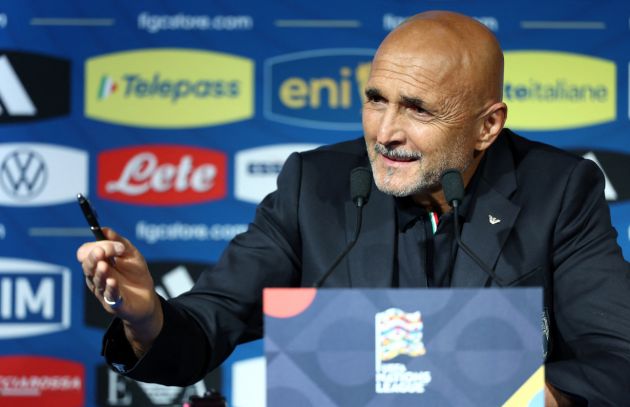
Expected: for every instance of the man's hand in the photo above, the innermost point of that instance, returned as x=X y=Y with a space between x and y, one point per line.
x=556 y=398
x=118 y=276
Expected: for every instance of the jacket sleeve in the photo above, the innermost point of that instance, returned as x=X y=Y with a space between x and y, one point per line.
x=590 y=354
x=224 y=308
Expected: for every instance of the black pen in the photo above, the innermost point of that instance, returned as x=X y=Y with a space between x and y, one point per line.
x=90 y=216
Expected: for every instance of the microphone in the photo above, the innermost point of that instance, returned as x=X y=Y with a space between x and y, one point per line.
x=453 y=188
x=360 y=185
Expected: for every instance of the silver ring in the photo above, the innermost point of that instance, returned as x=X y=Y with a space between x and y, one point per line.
x=113 y=304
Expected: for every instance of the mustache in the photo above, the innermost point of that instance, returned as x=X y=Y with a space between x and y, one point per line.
x=396 y=153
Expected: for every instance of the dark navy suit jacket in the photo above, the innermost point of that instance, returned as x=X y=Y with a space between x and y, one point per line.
x=554 y=231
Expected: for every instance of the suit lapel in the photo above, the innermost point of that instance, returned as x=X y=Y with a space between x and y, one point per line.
x=490 y=219
x=485 y=233
x=371 y=261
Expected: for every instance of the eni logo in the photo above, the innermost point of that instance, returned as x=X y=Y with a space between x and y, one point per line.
x=320 y=89
x=547 y=90
x=169 y=88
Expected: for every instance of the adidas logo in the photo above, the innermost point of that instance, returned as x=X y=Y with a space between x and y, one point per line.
x=14 y=98
x=33 y=86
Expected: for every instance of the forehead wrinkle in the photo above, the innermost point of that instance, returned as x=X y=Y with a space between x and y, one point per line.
x=407 y=78
x=418 y=74
x=452 y=112
x=444 y=104
x=414 y=87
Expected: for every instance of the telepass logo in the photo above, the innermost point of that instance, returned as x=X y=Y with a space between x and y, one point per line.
x=107 y=87
x=169 y=88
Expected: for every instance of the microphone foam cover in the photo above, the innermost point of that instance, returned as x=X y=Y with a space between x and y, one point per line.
x=360 y=183
x=453 y=186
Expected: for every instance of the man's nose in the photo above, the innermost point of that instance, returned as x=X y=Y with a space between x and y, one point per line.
x=390 y=128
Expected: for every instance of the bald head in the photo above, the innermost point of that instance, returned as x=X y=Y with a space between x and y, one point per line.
x=460 y=54
x=433 y=102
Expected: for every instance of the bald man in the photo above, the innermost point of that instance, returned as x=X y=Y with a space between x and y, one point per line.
x=428 y=110
x=433 y=102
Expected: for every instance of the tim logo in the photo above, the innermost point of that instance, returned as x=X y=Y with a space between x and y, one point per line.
x=34 y=298
x=162 y=175
x=37 y=174
x=319 y=89
x=33 y=87
x=399 y=333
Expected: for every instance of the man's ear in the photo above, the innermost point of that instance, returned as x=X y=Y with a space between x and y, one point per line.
x=492 y=124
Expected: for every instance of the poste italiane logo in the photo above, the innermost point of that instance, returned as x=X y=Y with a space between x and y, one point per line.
x=319 y=89
x=169 y=88
x=558 y=90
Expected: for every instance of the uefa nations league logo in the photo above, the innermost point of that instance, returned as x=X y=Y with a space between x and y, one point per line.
x=399 y=333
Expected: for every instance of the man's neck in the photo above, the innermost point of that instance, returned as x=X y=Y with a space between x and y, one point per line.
x=433 y=200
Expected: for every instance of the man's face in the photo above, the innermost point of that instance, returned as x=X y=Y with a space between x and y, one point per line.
x=417 y=122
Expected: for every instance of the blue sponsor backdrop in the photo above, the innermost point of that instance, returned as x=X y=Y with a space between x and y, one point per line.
x=309 y=62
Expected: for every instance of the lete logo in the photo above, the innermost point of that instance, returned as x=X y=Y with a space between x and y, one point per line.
x=162 y=175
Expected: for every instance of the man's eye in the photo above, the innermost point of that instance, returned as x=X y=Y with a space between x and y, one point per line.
x=416 y=108
x=374 y=97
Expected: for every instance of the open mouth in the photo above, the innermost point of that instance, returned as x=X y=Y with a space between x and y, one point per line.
x=392 y=156
x=395 y=158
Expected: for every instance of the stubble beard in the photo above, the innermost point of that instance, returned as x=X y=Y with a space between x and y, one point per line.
x=393 y=180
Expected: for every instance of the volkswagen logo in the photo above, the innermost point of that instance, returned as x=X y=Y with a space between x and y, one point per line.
x=23 y=174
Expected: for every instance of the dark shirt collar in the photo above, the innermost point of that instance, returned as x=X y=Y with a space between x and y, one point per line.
x=408 y=212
